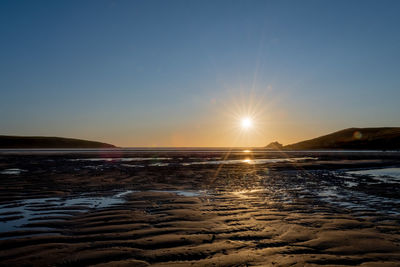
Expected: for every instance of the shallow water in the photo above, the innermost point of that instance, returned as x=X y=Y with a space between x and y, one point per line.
x=159 y=164
x=249 y=161
x=172 y=150
x=208 y=161
x=132 y=165
x=33 y=209
x=384 y=175
x=120 y=159
x=351 y=197
x=345 y=189
x=185 y=193
x=359 y=201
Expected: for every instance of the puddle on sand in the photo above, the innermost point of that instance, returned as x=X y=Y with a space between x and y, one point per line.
x=132 y=165
x=185 y=193
x=350 y=183
x=159 y=164
x=14 y=171
x=383 y=175
x=16 y=215
x=29 y=210
x=358 y=201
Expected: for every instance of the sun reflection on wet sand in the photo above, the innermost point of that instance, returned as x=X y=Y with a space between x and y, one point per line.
x=247 y=160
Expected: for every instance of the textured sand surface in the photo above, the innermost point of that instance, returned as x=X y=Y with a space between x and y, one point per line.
x=237 y=215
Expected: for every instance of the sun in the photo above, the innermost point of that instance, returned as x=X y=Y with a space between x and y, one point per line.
x=246 y=123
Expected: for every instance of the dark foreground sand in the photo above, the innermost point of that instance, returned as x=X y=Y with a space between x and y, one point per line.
x=231 y=215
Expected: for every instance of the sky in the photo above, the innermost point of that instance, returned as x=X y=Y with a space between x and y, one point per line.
x=184 y=73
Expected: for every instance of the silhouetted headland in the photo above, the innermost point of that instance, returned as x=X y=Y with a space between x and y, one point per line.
x=7 y=141
x=382 y=138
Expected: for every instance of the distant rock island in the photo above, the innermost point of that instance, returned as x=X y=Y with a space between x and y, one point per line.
x=7 y=141
x=274 y=146
x=382 y=138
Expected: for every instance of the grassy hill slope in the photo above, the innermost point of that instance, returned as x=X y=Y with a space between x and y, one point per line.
x=383 y=138
x=7 y=141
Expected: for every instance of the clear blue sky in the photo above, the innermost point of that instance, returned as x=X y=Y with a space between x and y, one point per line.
x=168 y=73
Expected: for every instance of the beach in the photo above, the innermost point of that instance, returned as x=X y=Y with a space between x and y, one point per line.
x=199 y=208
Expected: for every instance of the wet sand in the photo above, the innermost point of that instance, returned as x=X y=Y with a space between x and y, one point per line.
x=161 y=212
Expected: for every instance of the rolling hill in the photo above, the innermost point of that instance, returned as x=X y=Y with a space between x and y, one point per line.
x=383 y=138
x=7 y=141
